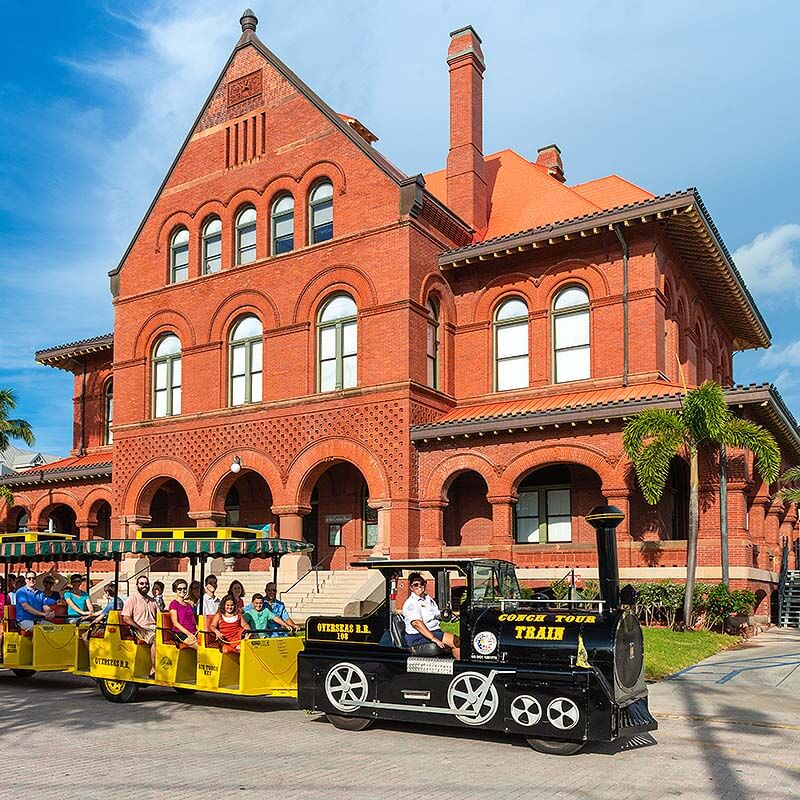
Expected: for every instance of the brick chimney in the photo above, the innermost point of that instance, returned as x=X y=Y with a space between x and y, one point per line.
x=466 y=182
x=550 y=157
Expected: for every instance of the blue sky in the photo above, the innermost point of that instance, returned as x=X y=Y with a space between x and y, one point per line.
x=97 y=97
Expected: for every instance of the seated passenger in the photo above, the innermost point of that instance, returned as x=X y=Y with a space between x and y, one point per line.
x=79 y=606
x=259 y=617
x=228 y=625
x=421 y=615
x=210 y=599
x=195 y=591
x=140 y=614
x=30 y=604
x=236 y=591
x=181 y=612
x=278 y=608
x=113 y=603
x=158 y=594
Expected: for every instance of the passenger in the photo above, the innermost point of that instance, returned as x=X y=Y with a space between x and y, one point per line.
x=195 y=590
x=421 y=615
x=3 y=603
x=259 y=618
x=113 y=603
x=140 y=613
x=181 y=612
x=52 y=598
x=210 y=599
x=11 y=588
x=79 y=605
x=30 y=605
x=236 y=591
x=228 y=625
x=278 y=609
x=158 y=594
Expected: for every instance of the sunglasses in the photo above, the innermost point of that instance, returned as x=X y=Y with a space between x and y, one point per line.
x=30 y=577
x=182 y=589
x=417 y=583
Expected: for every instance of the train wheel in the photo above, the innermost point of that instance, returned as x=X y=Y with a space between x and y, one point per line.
x=24 y=673
x=349 y=723
x=554 y=747
x=118 y=691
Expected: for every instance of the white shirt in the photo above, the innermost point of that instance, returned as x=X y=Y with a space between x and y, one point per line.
x=423 y=608
x=210 y=604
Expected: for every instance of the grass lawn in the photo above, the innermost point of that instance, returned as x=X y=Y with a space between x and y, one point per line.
x=667 y=651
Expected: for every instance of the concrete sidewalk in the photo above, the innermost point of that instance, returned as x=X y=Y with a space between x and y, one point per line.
x=758 y=683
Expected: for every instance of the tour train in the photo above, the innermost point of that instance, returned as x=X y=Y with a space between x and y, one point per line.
x=560 y=673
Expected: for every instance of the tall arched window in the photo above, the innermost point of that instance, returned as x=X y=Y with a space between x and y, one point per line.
x=108 y=412
x=511 y=345
x=167 y=376
x=246 y=236
x=337 y=344
x=212 y=246
x=571 y=354
x=246 y=361
x=179 y=256
x=700 y=355
x=282 y=225
x=433 y=343
x=320 y=212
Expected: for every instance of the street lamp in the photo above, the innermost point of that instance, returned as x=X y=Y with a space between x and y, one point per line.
x=236 y=465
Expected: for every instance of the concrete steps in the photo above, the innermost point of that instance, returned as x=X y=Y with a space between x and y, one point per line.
x=790 y=605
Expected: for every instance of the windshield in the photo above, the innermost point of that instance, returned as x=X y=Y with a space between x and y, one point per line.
x=494 y=581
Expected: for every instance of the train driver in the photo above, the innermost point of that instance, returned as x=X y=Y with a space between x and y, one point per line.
x=421 y=616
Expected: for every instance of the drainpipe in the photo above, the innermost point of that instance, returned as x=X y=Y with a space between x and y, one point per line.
x=625 y=335
x=82 y=448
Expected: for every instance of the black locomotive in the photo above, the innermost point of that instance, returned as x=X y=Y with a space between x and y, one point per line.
x=559 y=673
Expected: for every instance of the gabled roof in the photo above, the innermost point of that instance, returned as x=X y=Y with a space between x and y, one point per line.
x=85 y=467
x=249 y=39
x=63 y=356
x=15 y=458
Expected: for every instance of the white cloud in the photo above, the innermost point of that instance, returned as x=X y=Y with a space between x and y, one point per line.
x=770 y=263
x=782 y=357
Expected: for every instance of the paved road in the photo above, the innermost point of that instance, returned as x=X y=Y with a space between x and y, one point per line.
x=730 y=728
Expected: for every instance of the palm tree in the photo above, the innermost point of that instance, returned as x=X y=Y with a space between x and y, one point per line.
x=789 y=486
x=11 y=429
x=652 y=438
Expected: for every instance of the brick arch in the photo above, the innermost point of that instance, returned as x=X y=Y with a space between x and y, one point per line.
x=163 y=321
x=447 y=471
x=569 y=271
x=218 y=478
x=564 y=283
x=178 y=219
x=96 y=496
x=146 y=481
x=208 y=209
x=343 y=277
x=22 y=505
x=435 y=284
x=321 y=169
x=236 y=305
x=315 y=459
x=47 y=502
x=545 y=455
x=510 y=284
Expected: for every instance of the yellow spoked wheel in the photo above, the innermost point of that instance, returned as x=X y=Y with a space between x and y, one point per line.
x=117 y=691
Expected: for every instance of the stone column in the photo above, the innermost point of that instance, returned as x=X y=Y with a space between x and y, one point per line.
x=431 y=535
x=290 y=526
x=208 y=519
x=382 y=545
x=130 y=523
x=502 y=541
x=85 y=528
x=621 y=498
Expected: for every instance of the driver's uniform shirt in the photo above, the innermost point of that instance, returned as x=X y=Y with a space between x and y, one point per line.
x=423 y=608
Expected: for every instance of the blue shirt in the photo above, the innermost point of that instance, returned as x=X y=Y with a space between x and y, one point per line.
x=279 y=610
x=79 y=598
x=114 y=604
x=34 y=598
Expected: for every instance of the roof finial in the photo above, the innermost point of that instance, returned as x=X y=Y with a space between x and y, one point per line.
x=248 y=20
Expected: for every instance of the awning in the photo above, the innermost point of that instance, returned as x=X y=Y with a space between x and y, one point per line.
x=109 y=548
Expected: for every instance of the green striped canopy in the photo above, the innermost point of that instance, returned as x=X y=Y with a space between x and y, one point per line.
x=78 y=550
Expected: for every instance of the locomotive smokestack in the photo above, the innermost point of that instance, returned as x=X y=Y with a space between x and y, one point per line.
x=604 y=519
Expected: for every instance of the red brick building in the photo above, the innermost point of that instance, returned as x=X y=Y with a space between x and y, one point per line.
x=427 y=365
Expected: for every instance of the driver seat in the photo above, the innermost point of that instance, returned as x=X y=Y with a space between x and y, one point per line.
x=397 y=628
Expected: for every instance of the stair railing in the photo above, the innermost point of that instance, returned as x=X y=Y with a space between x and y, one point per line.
x=796 y=548
x=315 y=568
x=782 y=578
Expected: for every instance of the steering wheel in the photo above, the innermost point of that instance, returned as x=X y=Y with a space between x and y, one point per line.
x=446 y=614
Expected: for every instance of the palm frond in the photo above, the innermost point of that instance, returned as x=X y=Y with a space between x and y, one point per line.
x=788 y=495
x=791 y=476
x=16 y=429
x=8 y=400
x=5 y=494
x=760 y=442
x=651 y=440
x=652 y=423
x=705 y=412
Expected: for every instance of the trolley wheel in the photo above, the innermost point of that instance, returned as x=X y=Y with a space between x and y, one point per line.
x=118 y=691
x=349 y=723
x=24 y=673
x=555 y=747
x=182 y=690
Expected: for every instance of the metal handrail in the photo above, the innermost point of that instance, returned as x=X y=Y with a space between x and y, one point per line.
x=315 y=568
x=796 y=548
x=782 y=576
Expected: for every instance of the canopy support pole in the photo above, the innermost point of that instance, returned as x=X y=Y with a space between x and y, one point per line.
x=116 y=579
x=202 y=598
x=193 y=562
x=275 y=561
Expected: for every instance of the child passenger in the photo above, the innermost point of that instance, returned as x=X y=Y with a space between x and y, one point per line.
x=228 y=625
x=158 y=594
x=259 y=617
x=236 y=591
x=181 y=612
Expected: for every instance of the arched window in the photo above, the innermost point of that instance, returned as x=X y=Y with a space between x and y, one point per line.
x=511 y=345
x=108 y=412
x=246 y=236
x=167 y=376
x=337 y=344
x=179 y=256
x=320 y=212
x=433 y=343
x=571 y=355
x=212 y=246
x=282 y=225
x=700 y=355
x=246 y=361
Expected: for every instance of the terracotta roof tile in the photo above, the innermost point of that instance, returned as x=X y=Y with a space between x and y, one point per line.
x=76 y=462
x=611 y=192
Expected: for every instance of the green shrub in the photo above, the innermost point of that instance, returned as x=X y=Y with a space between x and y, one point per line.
x=743 y=601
